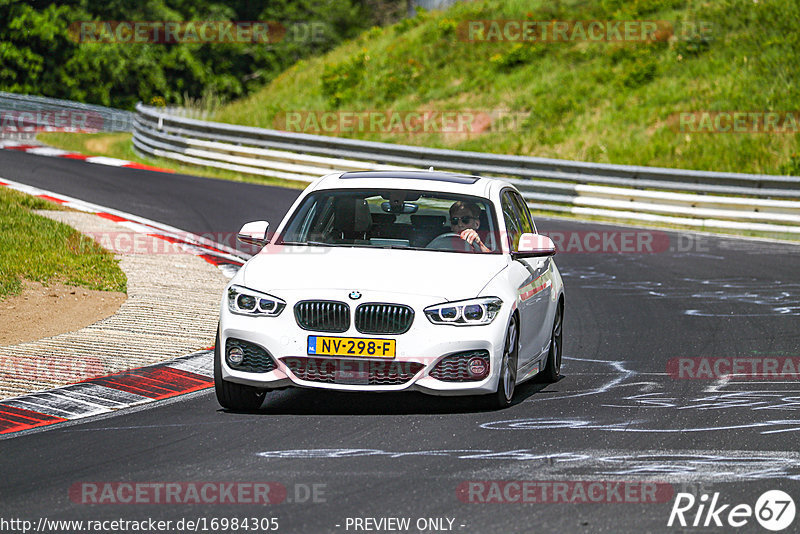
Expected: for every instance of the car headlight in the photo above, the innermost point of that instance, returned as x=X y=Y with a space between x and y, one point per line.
x=245 y=301
x=465 y=312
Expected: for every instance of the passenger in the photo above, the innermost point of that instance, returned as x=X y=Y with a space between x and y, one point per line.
x=465 y=220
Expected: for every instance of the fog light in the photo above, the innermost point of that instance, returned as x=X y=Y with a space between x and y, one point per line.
x=235 y=356
x=477 y=367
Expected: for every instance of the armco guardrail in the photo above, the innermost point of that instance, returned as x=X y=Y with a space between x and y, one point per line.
x=647 y=194
x=24 y=115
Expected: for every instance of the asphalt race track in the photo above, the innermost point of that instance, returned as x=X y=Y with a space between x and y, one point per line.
x=632 y=408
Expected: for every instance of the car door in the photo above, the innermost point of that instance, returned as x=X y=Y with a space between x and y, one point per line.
x=532 y=279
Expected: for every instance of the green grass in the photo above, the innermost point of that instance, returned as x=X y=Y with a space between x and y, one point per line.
x=39 y=249
x=591 y=101
x=119 y=145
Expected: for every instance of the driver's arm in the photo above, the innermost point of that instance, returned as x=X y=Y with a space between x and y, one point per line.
x=471 y=236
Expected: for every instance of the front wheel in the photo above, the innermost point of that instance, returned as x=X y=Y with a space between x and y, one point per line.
x=231 y=395
x=552 y=370
x=508 y=369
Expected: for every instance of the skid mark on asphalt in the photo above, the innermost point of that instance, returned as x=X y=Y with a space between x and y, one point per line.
x=106 y=394
x=662 y=465
x=723 y=297
x=641 y=425
x=752 y=405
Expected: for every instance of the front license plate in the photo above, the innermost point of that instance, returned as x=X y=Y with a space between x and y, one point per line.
x=351 y=346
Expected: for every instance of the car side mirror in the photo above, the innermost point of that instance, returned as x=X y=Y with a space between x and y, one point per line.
x=254 y=233
x=534 y=245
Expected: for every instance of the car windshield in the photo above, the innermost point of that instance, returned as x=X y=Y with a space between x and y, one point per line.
x=394 y=218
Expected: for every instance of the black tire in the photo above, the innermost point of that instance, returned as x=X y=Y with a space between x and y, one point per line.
x=506 y=384
x=552 y=370
x=231 y=395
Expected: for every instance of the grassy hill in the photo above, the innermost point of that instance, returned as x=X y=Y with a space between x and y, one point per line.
x=577 y=99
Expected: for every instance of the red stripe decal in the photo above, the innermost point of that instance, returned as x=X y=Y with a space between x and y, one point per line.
x=134 y=165
x=156 y=382
x=52 y=199
x=14 y=419
x=111 y=217
x=74 y=156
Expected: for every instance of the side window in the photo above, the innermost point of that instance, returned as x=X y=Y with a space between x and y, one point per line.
x=526 y=223
x=512 y=220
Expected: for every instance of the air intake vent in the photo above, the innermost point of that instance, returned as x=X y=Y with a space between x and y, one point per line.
x=462 y=367
x=352 y=372
x=322 y=315
x=376 y=318
x=255 y=360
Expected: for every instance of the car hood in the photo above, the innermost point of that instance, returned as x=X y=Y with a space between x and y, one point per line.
x=445 y=275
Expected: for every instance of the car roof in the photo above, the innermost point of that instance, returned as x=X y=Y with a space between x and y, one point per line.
x=410 y=179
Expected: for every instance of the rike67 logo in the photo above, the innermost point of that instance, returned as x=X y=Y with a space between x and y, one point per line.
x=774 y=510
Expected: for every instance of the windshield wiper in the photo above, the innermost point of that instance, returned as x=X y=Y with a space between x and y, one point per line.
x=310 y=243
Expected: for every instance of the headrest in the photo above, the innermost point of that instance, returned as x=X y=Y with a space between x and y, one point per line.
x=351 y=215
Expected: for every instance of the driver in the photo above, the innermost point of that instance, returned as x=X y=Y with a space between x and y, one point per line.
x=465 y=221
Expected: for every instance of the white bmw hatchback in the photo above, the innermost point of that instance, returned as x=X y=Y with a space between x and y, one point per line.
x=393 y=281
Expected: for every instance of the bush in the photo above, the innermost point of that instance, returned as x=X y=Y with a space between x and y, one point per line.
x=340 y=81
x=791 y=167
x=518 y=54
x=39 y=54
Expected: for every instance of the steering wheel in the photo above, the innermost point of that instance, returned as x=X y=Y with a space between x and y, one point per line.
x=453 y=241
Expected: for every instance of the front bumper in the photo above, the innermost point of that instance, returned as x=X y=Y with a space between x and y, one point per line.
x=418 y=351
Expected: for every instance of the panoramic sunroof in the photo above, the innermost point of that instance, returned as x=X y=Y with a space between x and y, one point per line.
x=413 y=175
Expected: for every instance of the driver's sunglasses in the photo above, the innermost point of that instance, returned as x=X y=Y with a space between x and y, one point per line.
x=466 y=219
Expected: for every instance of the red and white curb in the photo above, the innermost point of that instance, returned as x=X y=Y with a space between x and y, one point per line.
x=134 y=387
x=227 y=259
x=106 y=394
x=41 y=150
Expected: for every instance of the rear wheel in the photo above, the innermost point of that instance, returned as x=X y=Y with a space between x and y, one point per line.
x=552 y=370
x=231 y=395
x=508 y=368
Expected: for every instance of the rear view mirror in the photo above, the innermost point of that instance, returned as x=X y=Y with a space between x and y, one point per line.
x=535 y=245
x=397 y=207
x=254 y=233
